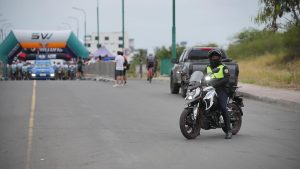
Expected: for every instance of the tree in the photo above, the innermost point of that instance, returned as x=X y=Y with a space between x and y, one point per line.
x=247 y=35
x=139 y=59
x=273 y=10
x=140 y=56
x=164 y=52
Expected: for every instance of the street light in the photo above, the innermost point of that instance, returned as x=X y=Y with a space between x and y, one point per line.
x=83 y=11
x=77 y=21
x=123 y=24
x=7 y=29
x=98 y=34
x=174 y=33
x=2 y=20
x=3 y=29
x=5 y=24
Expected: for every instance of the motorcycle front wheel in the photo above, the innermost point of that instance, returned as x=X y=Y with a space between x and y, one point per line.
x=236 y=119
x=188 y=127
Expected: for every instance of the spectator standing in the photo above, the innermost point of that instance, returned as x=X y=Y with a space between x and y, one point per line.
x=79 y=68
x=126 y=67
x=14 y=70
x=119 y=69
x=19 y=70
x=55 y=70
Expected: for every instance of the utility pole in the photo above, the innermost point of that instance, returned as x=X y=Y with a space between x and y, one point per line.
x=174 y=33
x=123 y=25
x=1 y=33
x=98 y=32
x=83 y=11
x=77 y=22
x=4 y=27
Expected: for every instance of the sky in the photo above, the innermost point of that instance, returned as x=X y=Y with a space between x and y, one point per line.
x=148 y=22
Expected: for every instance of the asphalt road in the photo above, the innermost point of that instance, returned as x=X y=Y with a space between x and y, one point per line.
x=91 y=125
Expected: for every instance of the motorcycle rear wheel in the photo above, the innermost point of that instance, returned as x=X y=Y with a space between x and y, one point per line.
x=237 y=114
x=188 y=129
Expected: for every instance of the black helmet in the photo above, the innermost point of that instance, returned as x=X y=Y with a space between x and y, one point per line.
x=214 y=52
x=214 y=57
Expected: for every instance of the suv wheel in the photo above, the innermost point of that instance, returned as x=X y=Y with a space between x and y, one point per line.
x=183 y=91
x=174 y=87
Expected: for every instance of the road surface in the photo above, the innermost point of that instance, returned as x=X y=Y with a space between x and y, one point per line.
x=91 y=125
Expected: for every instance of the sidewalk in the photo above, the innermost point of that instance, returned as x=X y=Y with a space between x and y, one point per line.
x=265 y=94
x=272 y=95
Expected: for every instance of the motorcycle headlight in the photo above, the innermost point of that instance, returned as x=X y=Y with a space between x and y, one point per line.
x=207 y=78
x=192 y=94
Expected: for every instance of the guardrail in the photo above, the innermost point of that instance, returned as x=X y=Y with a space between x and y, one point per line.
x=104 y=69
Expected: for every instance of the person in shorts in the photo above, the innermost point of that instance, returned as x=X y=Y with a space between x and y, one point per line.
x=119 y=69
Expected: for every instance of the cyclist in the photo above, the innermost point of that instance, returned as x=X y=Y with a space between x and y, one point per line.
x=150 y=63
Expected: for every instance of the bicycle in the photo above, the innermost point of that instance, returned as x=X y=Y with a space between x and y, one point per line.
x=150 y=74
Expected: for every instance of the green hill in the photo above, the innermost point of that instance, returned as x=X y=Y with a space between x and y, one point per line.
x=268 y=58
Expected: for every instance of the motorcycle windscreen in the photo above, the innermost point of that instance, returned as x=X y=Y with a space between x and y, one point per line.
x=196 y=76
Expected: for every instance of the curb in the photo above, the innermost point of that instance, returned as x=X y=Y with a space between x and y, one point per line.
x=270 y=100
x=103 y=79
x=244 y=94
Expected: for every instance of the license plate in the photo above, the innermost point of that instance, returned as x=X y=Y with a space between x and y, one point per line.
x=43 y=74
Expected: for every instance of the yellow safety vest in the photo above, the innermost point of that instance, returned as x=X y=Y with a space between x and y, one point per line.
x=218 y=75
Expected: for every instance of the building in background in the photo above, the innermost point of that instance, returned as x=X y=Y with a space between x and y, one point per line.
x=113 y=41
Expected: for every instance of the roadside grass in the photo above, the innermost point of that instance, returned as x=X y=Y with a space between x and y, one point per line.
x=270 y=70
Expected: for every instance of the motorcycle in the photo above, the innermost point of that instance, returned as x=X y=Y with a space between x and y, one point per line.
x=202 y=110
x=150 y=74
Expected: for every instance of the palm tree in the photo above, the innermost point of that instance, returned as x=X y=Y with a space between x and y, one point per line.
x=140 y=58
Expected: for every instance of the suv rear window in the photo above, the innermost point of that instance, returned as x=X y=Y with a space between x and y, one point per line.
x=198 y=54
x=201 y=54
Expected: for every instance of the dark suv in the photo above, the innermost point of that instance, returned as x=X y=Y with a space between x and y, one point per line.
x=196 y=59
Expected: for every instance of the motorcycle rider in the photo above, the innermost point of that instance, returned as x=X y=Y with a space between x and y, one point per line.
x=220 y=81
x=150 y=63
